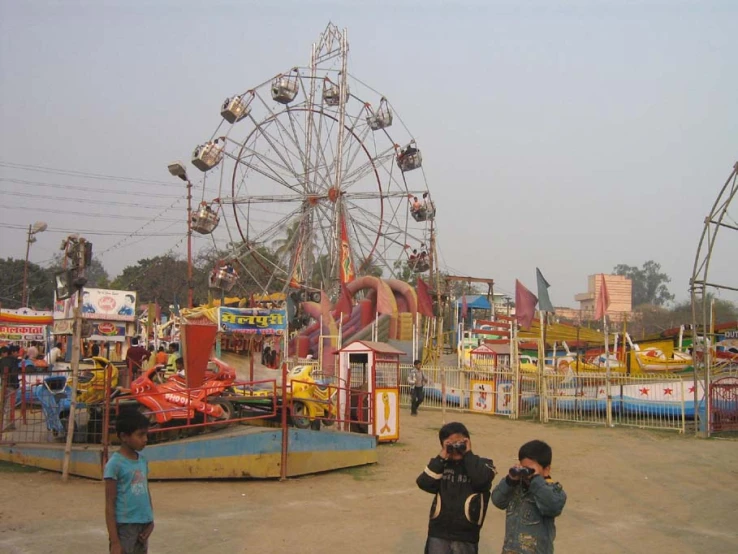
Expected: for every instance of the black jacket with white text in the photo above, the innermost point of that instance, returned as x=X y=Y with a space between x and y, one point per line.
x=462 y=490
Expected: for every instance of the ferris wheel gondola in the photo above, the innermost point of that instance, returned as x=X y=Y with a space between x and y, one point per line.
x=313 y=177
x=206 y=219
x=223 y=276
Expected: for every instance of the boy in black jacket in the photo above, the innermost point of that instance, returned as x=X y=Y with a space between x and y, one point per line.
x=461 y=482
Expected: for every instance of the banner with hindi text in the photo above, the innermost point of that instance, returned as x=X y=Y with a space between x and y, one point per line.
x=252 y=321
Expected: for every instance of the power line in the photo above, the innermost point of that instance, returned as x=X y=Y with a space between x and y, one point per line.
x=86 y=189
x=87 y=214
x=86 y=175
x=136 y=232
x=88 y=231
x=85 y=200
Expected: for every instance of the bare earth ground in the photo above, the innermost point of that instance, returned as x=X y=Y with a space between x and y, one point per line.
x=630 y=491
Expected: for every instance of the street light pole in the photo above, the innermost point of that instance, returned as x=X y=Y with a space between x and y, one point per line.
x=189 y=244
x=38 y=227
x=178 y=170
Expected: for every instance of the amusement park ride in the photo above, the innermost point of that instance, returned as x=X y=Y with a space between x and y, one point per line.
x=314 y=160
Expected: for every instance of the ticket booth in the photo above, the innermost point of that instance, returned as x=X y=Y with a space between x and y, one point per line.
x=370 y=388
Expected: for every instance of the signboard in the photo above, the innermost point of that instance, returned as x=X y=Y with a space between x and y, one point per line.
x=108 y=331
x=386 y=419
x=252 y=321
x=100 y=304
x=22 y=332
x=63 y=327
x=482 y=396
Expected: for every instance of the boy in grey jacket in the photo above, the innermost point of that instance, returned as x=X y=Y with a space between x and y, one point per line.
x=532 y=501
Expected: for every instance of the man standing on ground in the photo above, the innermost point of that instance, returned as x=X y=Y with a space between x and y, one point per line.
x=135 y=357
x=55 y=355
x=416 y=380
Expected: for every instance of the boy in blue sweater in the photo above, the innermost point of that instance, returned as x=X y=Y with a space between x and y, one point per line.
x=532 y=501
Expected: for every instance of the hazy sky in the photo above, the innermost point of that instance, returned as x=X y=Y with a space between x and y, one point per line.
x=568 y=135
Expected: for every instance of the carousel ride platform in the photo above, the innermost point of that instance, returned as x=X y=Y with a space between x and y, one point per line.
x=243 y=452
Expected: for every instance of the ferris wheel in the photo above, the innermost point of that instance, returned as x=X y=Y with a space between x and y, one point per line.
x=318 y=177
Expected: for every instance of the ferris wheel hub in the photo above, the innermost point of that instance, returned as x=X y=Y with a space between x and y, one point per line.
x=334 y=193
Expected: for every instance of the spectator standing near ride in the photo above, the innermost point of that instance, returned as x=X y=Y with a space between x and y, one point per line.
x=161 y=357
x=9 y=382
x=55 y=354
x=532 y=501
x=129 y=514
x=32 y=352
x=460 y=481
x=417 y=381
x=173 y=355
x=136 y=356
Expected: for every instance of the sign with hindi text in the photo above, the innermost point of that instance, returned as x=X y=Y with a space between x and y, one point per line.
x=252 y=321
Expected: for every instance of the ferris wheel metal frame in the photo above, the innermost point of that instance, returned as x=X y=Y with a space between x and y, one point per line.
x=701 y=284
x=330 y=158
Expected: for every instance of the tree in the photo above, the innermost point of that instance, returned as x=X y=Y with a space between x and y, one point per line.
x=649 y=283
x=97 y=276
x=40 y=285
x=255 y=269
x=160 y=279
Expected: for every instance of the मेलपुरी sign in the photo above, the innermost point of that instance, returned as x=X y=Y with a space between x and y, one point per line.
x=252 y=321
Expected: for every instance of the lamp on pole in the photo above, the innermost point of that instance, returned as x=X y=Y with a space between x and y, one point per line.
x=33 y=230
x=177 y=169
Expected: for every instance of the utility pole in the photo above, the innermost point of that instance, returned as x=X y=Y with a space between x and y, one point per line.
x=33 y=230
x=177 y=169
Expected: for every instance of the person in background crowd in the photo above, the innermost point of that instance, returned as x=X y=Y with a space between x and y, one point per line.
x=416 y=380
x=55 y=354
x=152 y=357
x=95 y=350
x=161 y=357
x=135 y=357
x=173 y=355
x=32 y=352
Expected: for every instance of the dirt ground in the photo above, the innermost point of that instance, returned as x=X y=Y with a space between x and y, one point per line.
x=630 y=491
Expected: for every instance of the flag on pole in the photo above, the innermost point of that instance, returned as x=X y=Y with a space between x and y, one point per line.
x=602 y=303
x=525 y=305
x=345 y=303
x=296 y=276
x=464 y=308
x=425 y=304
x=347 y=266
x=544 y=302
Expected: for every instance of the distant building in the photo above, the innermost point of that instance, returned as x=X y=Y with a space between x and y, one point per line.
x=620 y=290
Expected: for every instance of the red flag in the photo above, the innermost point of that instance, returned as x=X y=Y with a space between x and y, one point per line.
x=425 y=304
x=345 y=303
x=464 y=308
x=603 y=299
x=525 y=305
x=347 y=266
x=296 y=275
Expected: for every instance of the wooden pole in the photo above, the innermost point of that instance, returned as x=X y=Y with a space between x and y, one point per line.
x=76 y=342
x=607 y=375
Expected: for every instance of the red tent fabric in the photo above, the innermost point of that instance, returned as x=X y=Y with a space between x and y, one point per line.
x=425 y=304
